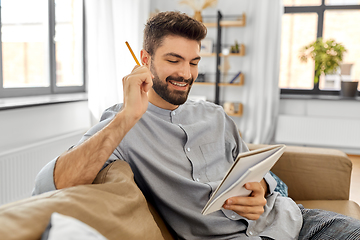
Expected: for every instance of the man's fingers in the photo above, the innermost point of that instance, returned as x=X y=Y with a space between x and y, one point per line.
x=246 y=210
x=251 y=206
x=139 y=69
x=147 y=84
x=246 y=201
x=255 y=187
x=136 y=66
x=141 y=75
x=251 y=210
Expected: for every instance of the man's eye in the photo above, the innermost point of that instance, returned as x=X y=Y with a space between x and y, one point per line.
x=172 y=61
x=194 y=64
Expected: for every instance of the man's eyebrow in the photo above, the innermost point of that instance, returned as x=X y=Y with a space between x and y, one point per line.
x=179 y=56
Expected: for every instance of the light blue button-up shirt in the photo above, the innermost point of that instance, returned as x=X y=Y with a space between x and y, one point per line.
x=178 y=158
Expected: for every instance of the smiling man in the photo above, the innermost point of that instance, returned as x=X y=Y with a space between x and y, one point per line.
x=179 y=149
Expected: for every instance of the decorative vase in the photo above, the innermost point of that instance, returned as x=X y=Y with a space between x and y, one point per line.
x=229 y=108
x=197 y=16
x=348 y=89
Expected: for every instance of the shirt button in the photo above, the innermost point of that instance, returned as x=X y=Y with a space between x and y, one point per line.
x=198 y=180
x=250 y=233
x=233 y=216
x=173 y=113
x=188 y=149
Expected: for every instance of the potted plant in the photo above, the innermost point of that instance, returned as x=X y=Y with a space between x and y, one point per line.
x=328 y=57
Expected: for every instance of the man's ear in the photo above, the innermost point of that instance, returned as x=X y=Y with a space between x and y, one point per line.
x=145 y=57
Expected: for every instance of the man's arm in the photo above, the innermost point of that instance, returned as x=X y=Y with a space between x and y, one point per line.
x=81 y=164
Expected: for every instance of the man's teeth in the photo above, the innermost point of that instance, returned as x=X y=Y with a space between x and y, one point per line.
x=179 y=84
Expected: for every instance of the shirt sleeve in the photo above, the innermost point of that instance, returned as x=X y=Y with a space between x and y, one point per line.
x=271 y=182
x=44 y=181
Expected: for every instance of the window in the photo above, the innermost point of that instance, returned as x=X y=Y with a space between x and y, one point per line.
x=303 y=22
x=41 y=47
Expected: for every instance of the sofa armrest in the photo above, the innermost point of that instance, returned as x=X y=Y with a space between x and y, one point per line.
x=113 y=205
x=314 y=173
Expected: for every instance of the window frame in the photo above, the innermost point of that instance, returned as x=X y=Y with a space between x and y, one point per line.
x=320 y=10
x=51 y=70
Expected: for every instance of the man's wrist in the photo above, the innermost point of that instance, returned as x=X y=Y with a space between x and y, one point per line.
x=129 y=116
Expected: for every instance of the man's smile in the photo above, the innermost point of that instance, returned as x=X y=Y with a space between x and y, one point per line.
x=179 y=84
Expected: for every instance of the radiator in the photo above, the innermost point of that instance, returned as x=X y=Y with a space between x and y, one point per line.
x=19 y=167
x=318 y=131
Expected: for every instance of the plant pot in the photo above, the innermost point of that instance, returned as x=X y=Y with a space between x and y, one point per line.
x=348 y=89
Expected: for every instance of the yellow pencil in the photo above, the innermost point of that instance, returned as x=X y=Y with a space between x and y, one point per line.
x=132 y=53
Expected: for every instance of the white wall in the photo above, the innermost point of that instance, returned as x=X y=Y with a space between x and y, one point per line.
x=30 y=137
x=24 y=126
x=320 y=123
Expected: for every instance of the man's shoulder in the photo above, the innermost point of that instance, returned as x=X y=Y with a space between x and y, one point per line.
x=201 y=104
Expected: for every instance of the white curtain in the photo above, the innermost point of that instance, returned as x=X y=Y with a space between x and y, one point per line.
x=262 y=94
x=109 y=23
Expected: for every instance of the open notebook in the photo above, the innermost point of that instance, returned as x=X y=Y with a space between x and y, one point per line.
x=248 y=167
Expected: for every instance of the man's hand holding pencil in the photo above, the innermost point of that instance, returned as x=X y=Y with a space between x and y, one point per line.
x=136 y=86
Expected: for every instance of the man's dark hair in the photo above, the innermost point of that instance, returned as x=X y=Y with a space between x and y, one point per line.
x=171 y=23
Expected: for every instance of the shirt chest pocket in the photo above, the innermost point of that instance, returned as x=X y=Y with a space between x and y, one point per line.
x=217 y=161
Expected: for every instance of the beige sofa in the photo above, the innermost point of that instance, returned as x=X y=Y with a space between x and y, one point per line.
x=113 y=205
x=317 y=178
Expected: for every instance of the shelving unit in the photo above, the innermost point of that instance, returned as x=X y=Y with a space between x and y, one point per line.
x=240 y=54
x=240 y=83
x=239 y=22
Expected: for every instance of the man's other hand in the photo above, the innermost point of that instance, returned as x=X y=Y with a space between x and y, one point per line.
x=250 y=207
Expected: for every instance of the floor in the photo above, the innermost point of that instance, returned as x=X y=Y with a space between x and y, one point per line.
x=355 y=179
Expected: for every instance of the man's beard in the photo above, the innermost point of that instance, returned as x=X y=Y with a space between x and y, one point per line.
x=174 y=97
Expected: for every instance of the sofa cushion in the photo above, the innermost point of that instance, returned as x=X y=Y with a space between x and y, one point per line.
x=345 y=207
x=116 y=208
x=63 y=227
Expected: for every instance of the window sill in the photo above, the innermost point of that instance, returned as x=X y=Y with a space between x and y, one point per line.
x=22 y=102
x=318 y=97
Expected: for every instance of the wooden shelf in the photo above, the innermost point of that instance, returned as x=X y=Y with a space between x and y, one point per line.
x=204 y=83
x=240 y=83
x=240 y=54
x=224 y=23
x=239 y=113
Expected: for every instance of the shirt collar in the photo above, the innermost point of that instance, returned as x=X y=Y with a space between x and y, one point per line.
x=165 y=112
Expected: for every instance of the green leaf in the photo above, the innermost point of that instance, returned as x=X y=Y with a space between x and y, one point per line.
x=327 y=56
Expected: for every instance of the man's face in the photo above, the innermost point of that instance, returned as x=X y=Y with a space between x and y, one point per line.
x=175 y=67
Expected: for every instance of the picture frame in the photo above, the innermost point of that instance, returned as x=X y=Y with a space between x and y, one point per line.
x=206 y=46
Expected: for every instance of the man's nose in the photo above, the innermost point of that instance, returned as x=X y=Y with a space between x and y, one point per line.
x=185 y=71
